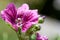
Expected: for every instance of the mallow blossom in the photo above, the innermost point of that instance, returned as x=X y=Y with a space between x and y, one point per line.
x=40 y=37
x=25 y=20
x=22 y=17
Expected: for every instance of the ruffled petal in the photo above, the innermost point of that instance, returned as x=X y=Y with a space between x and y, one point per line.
x=9 y=14
x=9 y=20
x=6 y=17
x=23 y=7
x=11 y=9
x=34 y=16
x=21 y=10
x=31 y=16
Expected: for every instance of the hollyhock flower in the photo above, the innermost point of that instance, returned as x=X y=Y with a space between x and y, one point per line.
x=22 y=17
x=40 y=37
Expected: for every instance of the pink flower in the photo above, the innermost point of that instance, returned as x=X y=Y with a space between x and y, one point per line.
x=40 y=37
x=22 y=17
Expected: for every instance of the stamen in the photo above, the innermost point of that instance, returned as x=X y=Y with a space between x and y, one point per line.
x=19 y=18
x=20 y=25
x=19 y=22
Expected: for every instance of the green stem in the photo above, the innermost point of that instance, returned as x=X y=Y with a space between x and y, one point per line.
x=20 y=38
x=19 y=34
x=29 y=37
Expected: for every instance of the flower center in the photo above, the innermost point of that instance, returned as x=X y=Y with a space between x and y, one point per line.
x=19 y=22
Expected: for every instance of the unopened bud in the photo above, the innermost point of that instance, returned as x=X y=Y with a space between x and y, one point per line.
x=36 y=27
x=40 y=20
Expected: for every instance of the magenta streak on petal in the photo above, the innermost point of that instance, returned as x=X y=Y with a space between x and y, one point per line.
x=29 y=16
x=26 y=26
x=12 y=9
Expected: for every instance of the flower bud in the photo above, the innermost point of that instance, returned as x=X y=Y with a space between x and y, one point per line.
x=36 y=27
x=40 y=20
x=33 y=29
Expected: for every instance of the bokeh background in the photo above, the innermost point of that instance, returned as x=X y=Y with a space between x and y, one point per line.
x=49 y=8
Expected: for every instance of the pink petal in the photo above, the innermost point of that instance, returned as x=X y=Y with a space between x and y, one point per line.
x=40 y=37
x=15 y=27
x=9 y=15
x=26 y=26
x=30 y=16
x=34 y=15
x=4 y=17
x=21 y=10
x=24 y=7
x=11 y=10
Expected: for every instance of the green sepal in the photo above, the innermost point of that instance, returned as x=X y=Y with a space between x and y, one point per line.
x=32 y=37
x=36 y=27
x=19 y=30
x=33 y=29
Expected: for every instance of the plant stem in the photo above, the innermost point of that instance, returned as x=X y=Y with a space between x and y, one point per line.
x=20 y=38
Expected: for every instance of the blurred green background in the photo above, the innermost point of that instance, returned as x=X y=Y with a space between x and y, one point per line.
x=6 y=33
